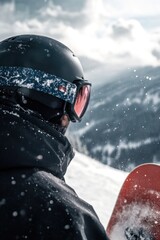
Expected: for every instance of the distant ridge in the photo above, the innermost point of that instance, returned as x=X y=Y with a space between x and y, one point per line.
x=122 y=125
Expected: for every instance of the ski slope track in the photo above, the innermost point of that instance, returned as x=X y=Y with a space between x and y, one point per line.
x=96 y=183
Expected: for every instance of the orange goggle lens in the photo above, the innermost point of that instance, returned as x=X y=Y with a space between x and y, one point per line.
x=82 y=99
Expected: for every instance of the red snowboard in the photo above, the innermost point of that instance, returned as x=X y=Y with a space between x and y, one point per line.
x=136 y=215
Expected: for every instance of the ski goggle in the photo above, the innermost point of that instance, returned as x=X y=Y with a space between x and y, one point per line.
x=76 y=94
x=77 y=109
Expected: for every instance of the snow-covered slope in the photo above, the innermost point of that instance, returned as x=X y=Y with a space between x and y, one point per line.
x=96 y=183
x=121 y=127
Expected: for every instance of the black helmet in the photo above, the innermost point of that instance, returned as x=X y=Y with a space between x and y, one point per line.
x=46 y=76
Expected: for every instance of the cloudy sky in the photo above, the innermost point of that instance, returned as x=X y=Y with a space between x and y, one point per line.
x=109 y=35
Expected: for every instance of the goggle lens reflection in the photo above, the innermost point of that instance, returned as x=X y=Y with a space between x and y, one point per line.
x=82 y=100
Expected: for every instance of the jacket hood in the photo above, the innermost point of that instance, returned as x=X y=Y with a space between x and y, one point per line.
x=28 y=141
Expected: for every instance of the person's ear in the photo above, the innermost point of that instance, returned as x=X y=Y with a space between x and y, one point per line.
x=64 y=121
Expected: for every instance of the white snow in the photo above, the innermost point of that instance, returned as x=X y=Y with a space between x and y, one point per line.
x=123 y=144
x=86 y=128
x=143 y=98
x=96 y=183
x=137 y=215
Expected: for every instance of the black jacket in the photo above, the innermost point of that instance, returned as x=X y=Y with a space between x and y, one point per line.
x=35 y=201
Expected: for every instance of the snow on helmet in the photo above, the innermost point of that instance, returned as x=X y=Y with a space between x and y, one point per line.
x=46 y=74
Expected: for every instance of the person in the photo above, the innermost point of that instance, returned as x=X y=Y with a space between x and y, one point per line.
x=42 y=90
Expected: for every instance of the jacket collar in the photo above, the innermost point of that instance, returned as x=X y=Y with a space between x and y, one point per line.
x=28 y=141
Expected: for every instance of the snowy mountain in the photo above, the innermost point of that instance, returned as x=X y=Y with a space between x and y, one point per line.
x=96 y=183
x=122 y=126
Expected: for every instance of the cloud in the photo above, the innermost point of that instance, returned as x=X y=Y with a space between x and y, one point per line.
x=76 y=19
x=70 y=5
x=132 y=9
x=122 y=30
x=92 y=29
x=156 y=53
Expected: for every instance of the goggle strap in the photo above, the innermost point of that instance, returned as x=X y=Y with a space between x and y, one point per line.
x=38 y=80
